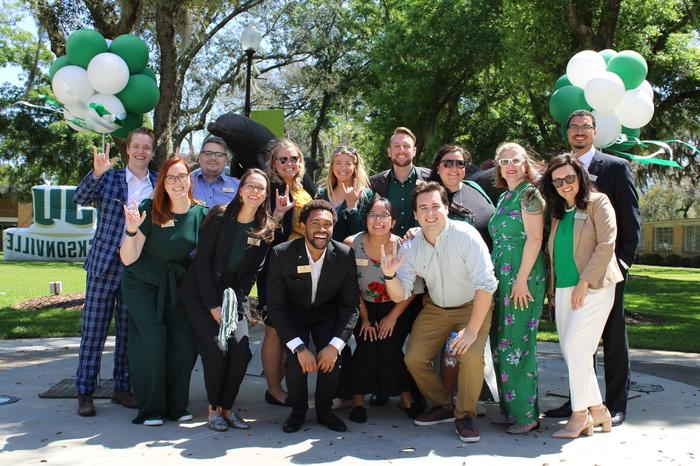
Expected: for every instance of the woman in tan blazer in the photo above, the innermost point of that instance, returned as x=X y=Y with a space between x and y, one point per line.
x=583 y=234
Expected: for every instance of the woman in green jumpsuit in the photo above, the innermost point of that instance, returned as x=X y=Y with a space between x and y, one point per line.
x=517 y=229
x=159 y=241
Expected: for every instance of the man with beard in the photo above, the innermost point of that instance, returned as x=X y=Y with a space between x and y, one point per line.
x=613 y=177
x=397 y=183
x=312 y=291
x=209 y=183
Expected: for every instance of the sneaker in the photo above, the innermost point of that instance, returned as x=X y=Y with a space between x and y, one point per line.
x=185 y=417
x=466 y=430
x=436 y=415
x=153 y=421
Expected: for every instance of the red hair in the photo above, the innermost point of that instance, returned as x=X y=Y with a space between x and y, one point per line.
x=160 y=212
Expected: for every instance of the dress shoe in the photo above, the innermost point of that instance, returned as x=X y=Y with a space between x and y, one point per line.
x=236 y=421
x=466 y=429
x=274 y=401
x=124 y=398
x=85 y=405
x=562 y=411
x=378 y=400
x=331 y=421
x=617 y=418
x=358 y=414
x=413 y=411
x=601 y=417
x=579 y=423
x=216 y=422
x=293 y=423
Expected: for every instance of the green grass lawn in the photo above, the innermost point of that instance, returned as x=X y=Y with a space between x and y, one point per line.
x=667 y=293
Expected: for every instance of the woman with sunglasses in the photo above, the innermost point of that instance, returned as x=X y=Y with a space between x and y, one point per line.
x=517 y=230
x=377 y=364
x=289 y=194
x=159 y=240
x=233 y=242
x=583 y=234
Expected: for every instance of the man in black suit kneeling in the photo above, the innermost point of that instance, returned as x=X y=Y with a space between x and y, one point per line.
x=312 y=290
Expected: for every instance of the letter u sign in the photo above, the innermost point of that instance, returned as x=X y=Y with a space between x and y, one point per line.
x=53 y=203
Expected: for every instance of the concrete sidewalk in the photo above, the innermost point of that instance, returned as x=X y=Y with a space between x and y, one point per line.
x=661 y=428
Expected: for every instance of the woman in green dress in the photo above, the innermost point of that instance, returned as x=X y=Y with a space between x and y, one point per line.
x=517 y=229
x=159 y=240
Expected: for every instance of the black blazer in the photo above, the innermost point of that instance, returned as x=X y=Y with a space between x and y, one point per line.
x=206 y=279
x=380 y=181
x=613 y=177
x=289 y=291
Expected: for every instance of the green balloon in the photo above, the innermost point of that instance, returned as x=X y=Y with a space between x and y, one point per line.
x=148 y=71
x=131 y=122
x=631 y=134
x=630 y=67
x=58 y=63
x=561 y=82
x=83 y=45
x=607 y=55
x=133 y=51
x=565 y=101
x=140 y=95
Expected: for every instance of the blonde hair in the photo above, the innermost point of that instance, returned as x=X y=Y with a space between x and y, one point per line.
x=534 y=167
x=275 y=147
x=360 y=173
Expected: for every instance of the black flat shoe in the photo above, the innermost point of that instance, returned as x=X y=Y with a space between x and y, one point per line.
x=413 y=411
x=292 y=424
x=274 y=401
x=378 y=400
x=332 y=421
x=618 y=417
x=358 y=414
x=562 y=411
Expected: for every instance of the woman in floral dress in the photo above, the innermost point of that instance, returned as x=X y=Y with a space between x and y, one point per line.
x=517 y=229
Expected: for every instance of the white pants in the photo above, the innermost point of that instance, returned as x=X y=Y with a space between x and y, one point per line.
x=579 y=333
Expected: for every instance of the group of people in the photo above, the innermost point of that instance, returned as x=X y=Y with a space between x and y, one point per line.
x=409 y=253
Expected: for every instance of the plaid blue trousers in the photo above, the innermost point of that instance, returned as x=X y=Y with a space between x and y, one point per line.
x=103 y=298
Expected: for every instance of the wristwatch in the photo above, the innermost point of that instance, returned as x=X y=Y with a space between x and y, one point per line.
x=130 y=233
x=301 y=347
x=389 y=277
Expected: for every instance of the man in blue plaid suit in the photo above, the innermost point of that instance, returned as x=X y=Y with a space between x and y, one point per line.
x=110 y=191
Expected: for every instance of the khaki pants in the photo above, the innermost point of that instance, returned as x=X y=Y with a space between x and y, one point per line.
x=430 y=331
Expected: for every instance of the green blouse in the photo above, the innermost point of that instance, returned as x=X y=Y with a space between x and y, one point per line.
x=565 y=271
x=238 y=245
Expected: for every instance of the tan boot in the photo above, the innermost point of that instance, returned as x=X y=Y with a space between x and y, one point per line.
x=601 y=417
x=579 y=423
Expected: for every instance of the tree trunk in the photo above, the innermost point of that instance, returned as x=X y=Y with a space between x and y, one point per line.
x=325 y=104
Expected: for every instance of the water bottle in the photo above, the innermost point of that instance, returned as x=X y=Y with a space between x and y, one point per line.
x=450 y=360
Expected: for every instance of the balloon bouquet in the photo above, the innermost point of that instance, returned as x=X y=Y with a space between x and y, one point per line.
x=104 y=86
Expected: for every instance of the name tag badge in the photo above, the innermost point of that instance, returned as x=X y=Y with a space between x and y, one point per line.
x=253 y=241
x=592 y=177
x=362 y=262
x=170 y=223
x=580 y=216
x=228 y=190
x=303 y=269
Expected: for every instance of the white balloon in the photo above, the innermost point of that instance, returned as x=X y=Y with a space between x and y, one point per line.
x=583 y=66
x=604 y=92
x=113 y=105
x=607 y=129
x=108 y=73
x=635 y=110
x=646 y=88
x=69 y=116
x=70 y=85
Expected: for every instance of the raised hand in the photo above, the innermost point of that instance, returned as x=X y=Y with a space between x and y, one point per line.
x=101 y=163
x=132 y=218
x=282 y=203
x=352 y=194
x=391 y=262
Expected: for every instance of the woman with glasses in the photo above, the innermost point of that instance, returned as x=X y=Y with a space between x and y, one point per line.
x=285 y=168
x=517 y=229
x=583 y=274
x=233 y=242
x=159 y=241
x=377 y=363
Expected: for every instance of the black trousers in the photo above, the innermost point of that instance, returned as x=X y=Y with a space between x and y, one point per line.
x=321 y=333
x=223 y=372
x=616 y=355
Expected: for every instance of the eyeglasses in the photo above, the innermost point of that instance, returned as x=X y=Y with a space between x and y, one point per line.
x=291 y=158
x=378 y=216
x=209 y=153
x=348 y=149
x=254 y=187
x=171 y=179
x=568 y=179
x=516 y=161
x=453 y=163
x=584 y=128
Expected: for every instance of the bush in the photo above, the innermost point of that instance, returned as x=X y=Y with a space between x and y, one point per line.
x=650 y=259
x=672 y=260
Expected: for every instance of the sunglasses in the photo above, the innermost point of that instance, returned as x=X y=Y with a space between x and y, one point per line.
x=291 y=158
x=515 y=161
x=568 y=179
x=348 y=149
x=453 y=163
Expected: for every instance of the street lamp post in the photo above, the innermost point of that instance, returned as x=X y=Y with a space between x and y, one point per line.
x=250 y=42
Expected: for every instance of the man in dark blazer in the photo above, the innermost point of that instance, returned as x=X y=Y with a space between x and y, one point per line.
x=109 y=190
x=613 y=177
x=312 y=290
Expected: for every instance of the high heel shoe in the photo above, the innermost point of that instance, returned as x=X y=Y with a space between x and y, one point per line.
x=579 y=423
x=601 y=417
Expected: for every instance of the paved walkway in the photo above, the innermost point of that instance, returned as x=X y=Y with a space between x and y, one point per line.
x=662 y=427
